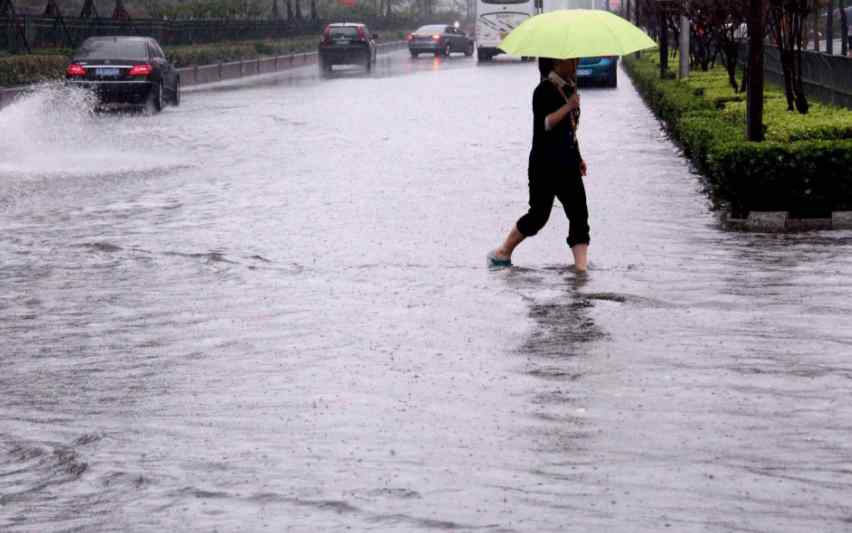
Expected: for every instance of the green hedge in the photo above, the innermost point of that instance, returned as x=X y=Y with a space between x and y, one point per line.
x=25 y=69
x=803 y=166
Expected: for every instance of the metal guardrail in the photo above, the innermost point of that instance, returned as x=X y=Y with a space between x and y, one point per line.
x=201 y=74
x=826 y=77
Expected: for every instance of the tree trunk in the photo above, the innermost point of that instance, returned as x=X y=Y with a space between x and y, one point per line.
x=754 y=95
x=801 y=100
x=120 y=12
x=731 y=51
x=816 y=27
x=89 y=10
x=52 y=10
x=664 y=45
x=787 y=67
x=797 y=23
x=829 y=28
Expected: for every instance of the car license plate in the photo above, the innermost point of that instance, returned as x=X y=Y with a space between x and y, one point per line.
x=108 y=72
x=584 y=72
x=341 y=41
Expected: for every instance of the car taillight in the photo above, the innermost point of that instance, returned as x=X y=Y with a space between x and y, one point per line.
x=140 y=70
x=75 y=71
x=436 y=37
x=409 y=37
x=326 y=35
x=362 y=35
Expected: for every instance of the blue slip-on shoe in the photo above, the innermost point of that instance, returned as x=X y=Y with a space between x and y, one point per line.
x=495 y=262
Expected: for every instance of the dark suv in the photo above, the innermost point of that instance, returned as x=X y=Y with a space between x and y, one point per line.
x=347 y=43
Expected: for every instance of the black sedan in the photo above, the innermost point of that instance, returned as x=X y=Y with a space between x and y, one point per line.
x=439 y=39
x=125 y=70
x=347 y=43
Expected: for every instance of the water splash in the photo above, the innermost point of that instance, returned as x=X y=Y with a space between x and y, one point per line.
x=55 y=131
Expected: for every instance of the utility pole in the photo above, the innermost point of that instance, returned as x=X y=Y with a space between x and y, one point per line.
x=754 y=90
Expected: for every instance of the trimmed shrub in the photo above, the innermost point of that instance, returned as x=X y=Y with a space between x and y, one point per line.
x=25 y=69
x=808 y=178
x=803 y=166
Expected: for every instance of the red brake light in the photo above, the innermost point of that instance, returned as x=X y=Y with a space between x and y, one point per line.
x=362 y=35
x=409 y=37
x=140 y=70
x=436 y=37
x=326 y=35
x=75 y=71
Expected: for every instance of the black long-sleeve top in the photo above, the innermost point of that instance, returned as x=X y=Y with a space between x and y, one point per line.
x=553 y=150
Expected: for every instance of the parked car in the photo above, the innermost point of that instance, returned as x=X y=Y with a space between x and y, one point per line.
x=347 y=43
x=439 y=39
x=125 y=70
x=599 y=70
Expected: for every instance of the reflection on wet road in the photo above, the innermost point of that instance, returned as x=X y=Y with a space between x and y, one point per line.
x=269 y=309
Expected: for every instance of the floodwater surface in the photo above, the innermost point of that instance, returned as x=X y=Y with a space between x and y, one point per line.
x=268 y=309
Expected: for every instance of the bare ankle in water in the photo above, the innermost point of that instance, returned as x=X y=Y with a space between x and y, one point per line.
x=581 y=257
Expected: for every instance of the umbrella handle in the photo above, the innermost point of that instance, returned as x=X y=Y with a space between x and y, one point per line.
x=571 y=114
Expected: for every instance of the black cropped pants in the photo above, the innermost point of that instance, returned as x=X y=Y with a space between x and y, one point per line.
x=568 y=187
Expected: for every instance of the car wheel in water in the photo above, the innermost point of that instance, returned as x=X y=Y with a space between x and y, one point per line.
x=369 y=64
x=482 y=56
x=613 y=79
x=176 y=99
x=154 y=103
x=469 y=50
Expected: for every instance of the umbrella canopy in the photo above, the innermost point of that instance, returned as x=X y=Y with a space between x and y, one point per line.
x=568 y=33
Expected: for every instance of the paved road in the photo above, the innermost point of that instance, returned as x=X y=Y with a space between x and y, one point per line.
x=268 y=309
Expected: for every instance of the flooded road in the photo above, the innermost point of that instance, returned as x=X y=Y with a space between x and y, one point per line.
x=268 y=309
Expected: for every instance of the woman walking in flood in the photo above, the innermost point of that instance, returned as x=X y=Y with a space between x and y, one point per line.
x=556 y=168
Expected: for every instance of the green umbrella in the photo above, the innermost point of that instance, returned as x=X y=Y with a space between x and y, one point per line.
x=568 y=33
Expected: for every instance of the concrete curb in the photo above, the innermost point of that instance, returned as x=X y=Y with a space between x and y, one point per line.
x=203 y=74
x=771 y=221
